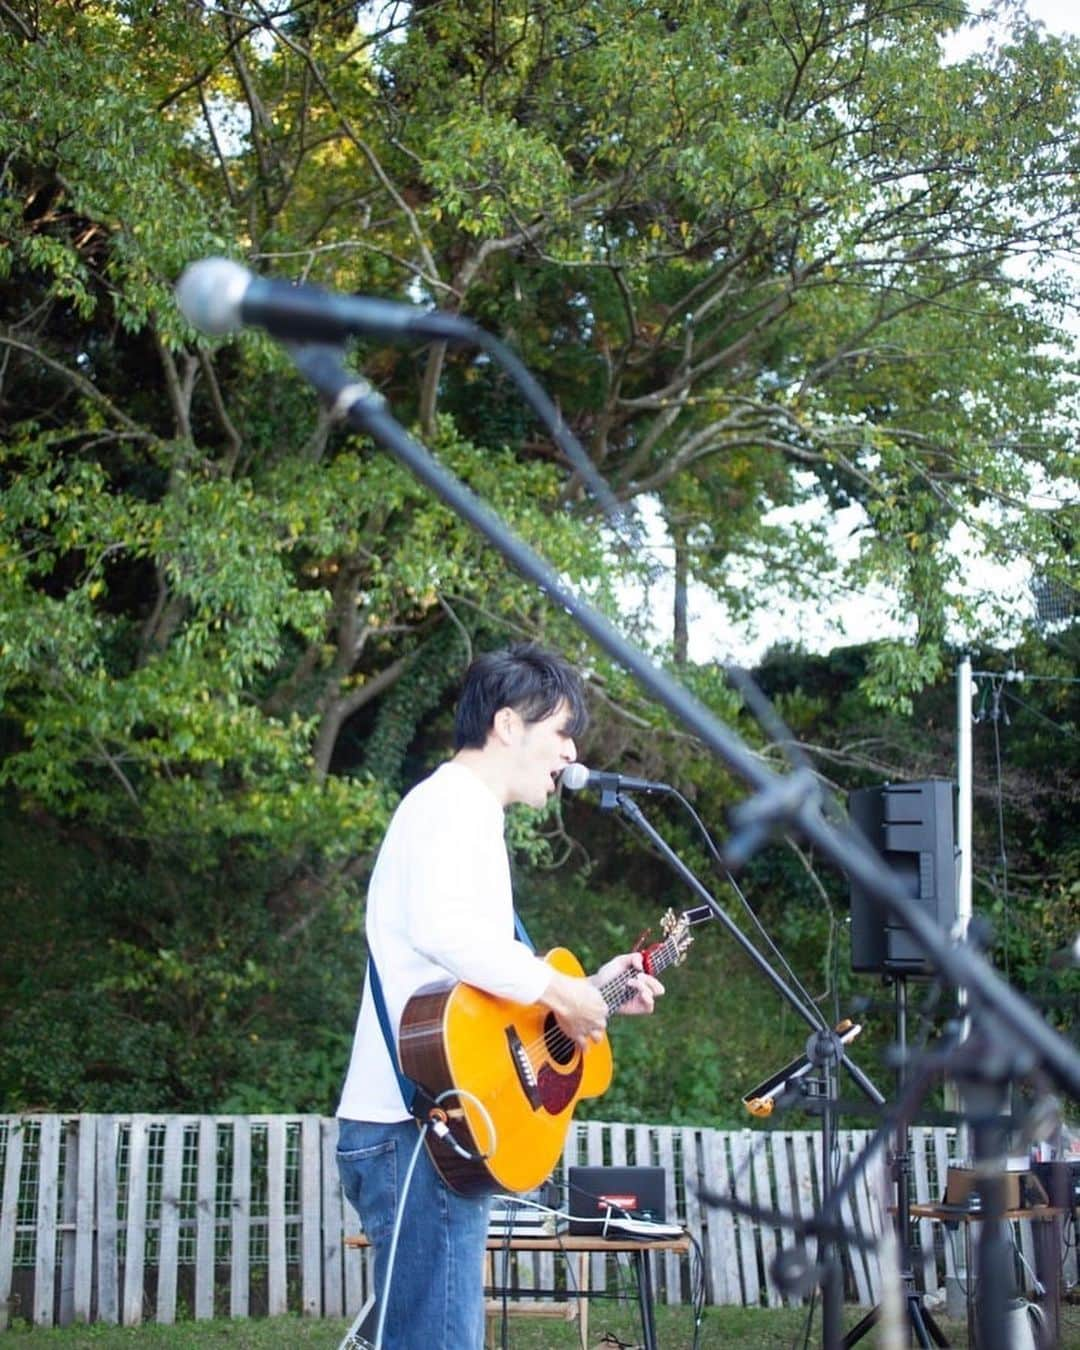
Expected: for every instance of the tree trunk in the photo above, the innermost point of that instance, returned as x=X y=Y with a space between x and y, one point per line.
x=680 y=634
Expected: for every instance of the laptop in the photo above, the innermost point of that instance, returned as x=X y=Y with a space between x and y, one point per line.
x=615 y=1199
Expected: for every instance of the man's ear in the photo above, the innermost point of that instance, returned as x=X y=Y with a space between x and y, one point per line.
x=504 y=725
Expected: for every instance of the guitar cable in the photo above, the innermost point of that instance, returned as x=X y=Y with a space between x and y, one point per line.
x=437 y=1121
x=384 y=1303
x=429 y=1124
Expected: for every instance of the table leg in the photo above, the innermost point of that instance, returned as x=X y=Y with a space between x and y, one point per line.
x=645 y=1298
x=583 y=1303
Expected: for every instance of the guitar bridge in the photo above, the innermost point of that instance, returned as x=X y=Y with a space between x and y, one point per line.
x=525 y=1072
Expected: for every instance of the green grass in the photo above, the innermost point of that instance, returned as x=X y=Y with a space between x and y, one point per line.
x=721 y=1329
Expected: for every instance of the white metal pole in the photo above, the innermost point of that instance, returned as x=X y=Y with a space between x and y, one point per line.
x=955 y=1295
x=964 y=689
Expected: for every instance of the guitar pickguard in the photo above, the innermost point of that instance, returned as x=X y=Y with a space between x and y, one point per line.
x=558 y=1090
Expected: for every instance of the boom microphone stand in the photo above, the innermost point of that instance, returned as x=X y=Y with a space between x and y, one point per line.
x=824 y=1050
x=792 y=802
x=1000 y=1016
x=1012 y=1037
x=633 y=813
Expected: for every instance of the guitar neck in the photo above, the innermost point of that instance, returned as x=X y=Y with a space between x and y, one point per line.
x=663 y=954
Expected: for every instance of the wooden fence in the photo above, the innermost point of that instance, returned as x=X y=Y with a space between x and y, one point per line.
x=127 y=1218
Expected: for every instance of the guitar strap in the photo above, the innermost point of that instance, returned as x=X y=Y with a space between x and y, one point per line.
x=418 y=1101
x=522 y=935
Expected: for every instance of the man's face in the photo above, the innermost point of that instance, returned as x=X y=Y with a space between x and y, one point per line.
x=540 y=751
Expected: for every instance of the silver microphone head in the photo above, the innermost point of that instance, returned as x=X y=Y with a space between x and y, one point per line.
x=210 y=294
x=575 y=776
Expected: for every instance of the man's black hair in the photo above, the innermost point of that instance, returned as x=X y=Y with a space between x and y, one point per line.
x=525 y=677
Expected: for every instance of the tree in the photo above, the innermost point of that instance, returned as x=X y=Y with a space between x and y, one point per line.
x=757 y=253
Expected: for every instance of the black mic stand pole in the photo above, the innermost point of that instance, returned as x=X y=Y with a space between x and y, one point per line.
x=793 y=801
x=993 y=1061
x=812 y=1017
x=824 y=1050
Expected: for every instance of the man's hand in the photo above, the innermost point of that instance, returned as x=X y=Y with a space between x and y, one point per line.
x=646 y=988
x=578 y=1005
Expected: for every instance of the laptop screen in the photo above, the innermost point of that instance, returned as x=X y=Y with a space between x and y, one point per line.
x=598 y=1194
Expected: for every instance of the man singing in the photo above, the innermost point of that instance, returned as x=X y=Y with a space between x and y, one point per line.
x=440 y=906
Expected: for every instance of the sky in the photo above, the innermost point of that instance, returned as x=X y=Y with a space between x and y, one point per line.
x=822 y=625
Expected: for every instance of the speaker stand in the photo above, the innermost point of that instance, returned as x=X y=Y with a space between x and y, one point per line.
x=920 y=1322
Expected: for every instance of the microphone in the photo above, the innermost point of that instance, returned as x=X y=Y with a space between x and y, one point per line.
x=217 y=296
x=577 y=777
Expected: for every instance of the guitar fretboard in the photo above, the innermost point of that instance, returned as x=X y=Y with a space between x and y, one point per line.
x=667 y=953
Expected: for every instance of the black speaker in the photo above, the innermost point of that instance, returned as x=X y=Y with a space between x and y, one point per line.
x=911 y=826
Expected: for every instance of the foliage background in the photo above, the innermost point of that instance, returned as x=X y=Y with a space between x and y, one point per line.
x=762 y=256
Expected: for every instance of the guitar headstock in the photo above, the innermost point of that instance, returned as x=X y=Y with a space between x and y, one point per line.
x=676 y=929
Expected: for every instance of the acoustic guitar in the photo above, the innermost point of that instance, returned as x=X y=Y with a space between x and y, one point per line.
x=468 y=1048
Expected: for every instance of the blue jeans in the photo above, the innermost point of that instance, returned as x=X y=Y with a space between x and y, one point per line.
x=435 y=1291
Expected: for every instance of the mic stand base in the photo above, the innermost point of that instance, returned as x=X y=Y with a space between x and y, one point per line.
x=918 y=1319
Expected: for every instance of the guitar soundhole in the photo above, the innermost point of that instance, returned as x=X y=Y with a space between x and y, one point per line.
x=559 y=1045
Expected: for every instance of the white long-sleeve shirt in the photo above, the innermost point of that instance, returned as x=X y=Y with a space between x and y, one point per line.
x=439 y=907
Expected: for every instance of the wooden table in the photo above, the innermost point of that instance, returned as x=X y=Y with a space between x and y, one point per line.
x=576 y=1301
x=1047 y=1245
x=582 y=1248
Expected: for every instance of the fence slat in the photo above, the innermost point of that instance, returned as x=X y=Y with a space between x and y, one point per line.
x=85 y=1168
x=693 y=1179
x=722 y=1249
x=805 y=1150
x=45 y=1236
x=13 y=1158
x=664 y=1140
x=277 y=1287
x=205 y=1217
x=922 y=1229
x=135 y=1227
x=310 y=1276
x=594 y=1157
x=240 y=1219
x=881 y=1193
x=169 y=1219
x=107 y=1221
x=67 y=1225
x=741 y=1181
x=848 y=1215
x=867 y=1213
x=333 y=1220
x=759 y=1151
x=955 y=1257
x=785 y=1187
